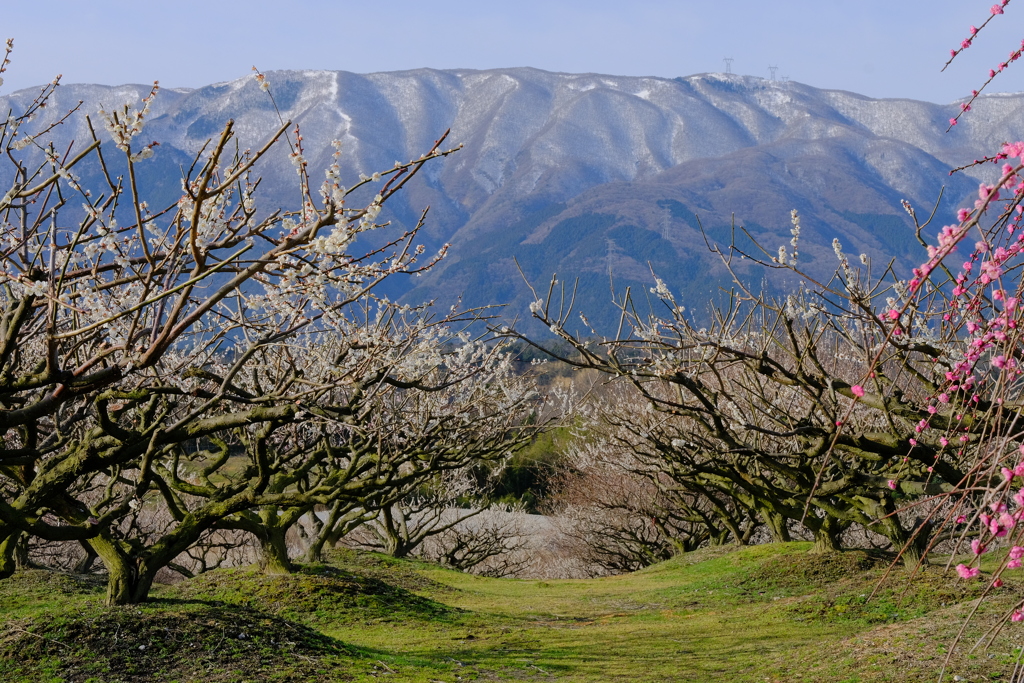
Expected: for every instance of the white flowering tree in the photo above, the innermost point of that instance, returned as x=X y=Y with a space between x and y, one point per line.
x=821 y=409
x=208 y=357
x=373 y=425
x=625 y=505
x=442 y=409
x=450 y=517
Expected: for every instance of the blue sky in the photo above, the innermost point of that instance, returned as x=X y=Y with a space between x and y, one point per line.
x=881 y=48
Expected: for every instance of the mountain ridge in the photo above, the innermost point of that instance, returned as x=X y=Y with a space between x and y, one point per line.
x=544 y=148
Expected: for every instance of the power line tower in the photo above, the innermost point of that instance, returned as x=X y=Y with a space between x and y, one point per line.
x=728 y=64
x=773 y=69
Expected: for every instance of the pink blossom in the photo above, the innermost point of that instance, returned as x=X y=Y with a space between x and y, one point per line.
x=1019 y=469
x=948 y=235
x=977 y=547
x=966 y=572
x=1018 y=497
x=1014 y=564
x=961 y=519
x=893 y=314
x=1014 y=149
x=1017 y=615
x=857 y=390
x=999 y=527
x=998 y=583
x=943 y=398
x=1016 y=552
x=892 y=484
x=996 y=9
x=944 y=441
x=1007 y=472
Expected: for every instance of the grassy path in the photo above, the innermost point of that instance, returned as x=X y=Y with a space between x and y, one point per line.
x=766 y=613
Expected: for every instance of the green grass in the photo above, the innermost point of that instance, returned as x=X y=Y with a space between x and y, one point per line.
x=764 y=613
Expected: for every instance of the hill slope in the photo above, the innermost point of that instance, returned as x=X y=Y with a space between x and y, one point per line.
x=769 y=612
x=622 y=164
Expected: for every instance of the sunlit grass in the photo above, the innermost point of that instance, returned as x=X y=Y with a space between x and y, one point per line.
x=764 y=613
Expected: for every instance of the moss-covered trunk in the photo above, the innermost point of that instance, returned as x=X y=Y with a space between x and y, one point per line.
x=128 y=580
x=7 y=562
x=315 y=552
x=827 y=532
x=825 y=542
x=274 y=550
x=84 y=565
x=344 y=517
x=911 y=550
x=778 y=526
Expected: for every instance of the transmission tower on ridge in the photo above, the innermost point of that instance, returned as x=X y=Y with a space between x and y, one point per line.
x=728 y=64
x=773 y=69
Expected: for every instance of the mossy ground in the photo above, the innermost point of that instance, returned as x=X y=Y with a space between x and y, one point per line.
x=766 y=613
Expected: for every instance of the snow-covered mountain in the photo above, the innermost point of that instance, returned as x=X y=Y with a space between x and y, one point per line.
x=591 y=175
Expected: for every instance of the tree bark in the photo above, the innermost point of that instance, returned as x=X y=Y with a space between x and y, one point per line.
x=21 y=559
x=826 y=535
x=122 y=575
x=777 y=526
x=274 y=548
x=911 y=551
x=84 y=565
x=7 y=561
